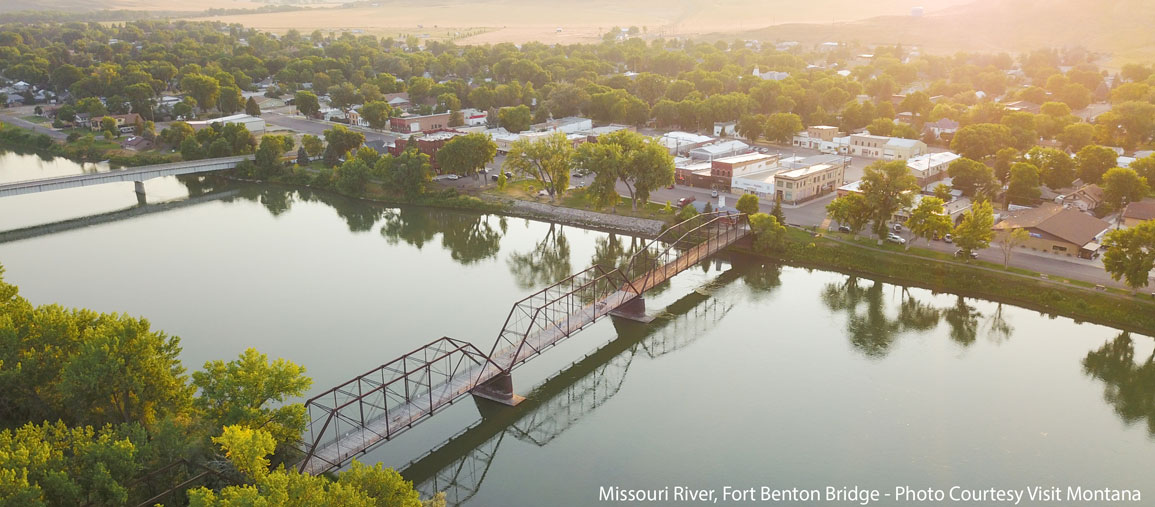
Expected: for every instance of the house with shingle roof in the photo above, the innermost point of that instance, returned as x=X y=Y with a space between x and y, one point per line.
x=1053 y=228
x=1137 y=212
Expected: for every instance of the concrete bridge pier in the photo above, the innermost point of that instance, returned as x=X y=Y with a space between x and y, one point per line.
x=634 y=309
x=499 y=389
x=140 y=197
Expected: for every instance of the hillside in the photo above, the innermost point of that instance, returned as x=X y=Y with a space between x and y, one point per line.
x=1117 y=27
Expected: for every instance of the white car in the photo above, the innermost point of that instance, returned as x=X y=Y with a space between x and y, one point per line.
x=714 y=193
x=895 y=238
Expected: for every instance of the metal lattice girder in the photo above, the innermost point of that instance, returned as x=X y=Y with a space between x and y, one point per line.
x=349 y=419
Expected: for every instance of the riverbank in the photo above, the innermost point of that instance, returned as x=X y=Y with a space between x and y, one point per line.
x=86 y=150
x=1134 y=313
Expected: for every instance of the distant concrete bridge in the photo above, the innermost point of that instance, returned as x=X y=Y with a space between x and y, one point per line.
x=136 y=174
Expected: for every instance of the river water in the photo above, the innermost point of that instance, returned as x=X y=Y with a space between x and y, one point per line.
x=751 y=375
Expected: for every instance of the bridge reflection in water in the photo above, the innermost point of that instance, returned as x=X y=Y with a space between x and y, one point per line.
x=459 y=465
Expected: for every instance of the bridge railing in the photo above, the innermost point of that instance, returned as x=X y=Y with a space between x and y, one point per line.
x=707 y=232
x=549 y=310
x=348 y=419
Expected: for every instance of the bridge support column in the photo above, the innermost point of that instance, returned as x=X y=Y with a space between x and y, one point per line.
x=634 y=309
x=140 y=197
x=499 y=389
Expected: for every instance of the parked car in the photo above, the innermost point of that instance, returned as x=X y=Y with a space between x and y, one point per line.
x=714 y=193
x=844 y=228
x=671 y=187
x=494 y=177
x=452 y=177
x=685 y=200
x=508 y=175
x=948 y=238
x=895 y=238
x=961 y=253
x=897 y=228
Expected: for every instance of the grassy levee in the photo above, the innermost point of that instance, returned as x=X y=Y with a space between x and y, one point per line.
x=1134 y=313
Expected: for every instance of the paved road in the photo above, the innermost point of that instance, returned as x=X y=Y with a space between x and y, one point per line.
x=39 y=129
x=318 y=127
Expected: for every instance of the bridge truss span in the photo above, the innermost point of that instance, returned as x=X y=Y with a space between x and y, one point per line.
x=350 y=419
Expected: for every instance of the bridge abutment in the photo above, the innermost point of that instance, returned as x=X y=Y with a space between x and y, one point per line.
x=634 y=309
x=499 y=389
x=140 y=196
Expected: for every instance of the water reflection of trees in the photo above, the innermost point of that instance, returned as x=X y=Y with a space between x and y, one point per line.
x=468 y=237
x=1130 y=387
x=873 y=331
x=547 y=262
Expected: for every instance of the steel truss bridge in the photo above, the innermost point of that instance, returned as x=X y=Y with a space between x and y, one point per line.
x=459 y=466
x=352 y=418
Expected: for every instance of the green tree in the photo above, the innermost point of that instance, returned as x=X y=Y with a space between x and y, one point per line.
x=1076 y=135
x=942 y=192
x=1011 y=240
x=1131 y=254
x=306 y=103
x=467 y=154
x=1093 y=161
x=340 y=141
x=929 y=219
x=1056 y=168
x=769 y=235
x=269 y=153
x=881 y=127
x=781 y=127
x=190 y=149
x=971 y=177
x=1122 y=186
x=108 y=124
x=850 y=210
x=230 y=100
x=974 y=231
x=1023 y=187
x=313 y=145
x=408 y=173
x=604 y=161
x=751 y=127
x=204 y=89
x=377 y=113
x=53 y=464
x=252 y=391
x=360 y=486
x=981 y=140
x=251 y=107
x=515 y=119
x=548 y=159
x=887 y=188
x=748 y=204
x=640 y=163
x=353 y=175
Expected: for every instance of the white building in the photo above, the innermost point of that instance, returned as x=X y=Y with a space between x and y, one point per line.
x=719 y=150
x=887 y=148
x=682 y=142
x=568 y=125
x=474 y=117
x=252 y=123
x=931 y=167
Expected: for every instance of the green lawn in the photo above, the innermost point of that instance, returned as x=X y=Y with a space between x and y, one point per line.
x=36 y=119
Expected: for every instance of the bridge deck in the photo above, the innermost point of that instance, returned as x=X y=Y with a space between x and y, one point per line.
x=132 y=174
x=396 y=419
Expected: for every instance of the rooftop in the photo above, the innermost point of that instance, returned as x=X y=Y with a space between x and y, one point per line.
x=1066 y=224
x=746 y=157
x=925 y=162
x=1142 y=210
x=795 y=174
